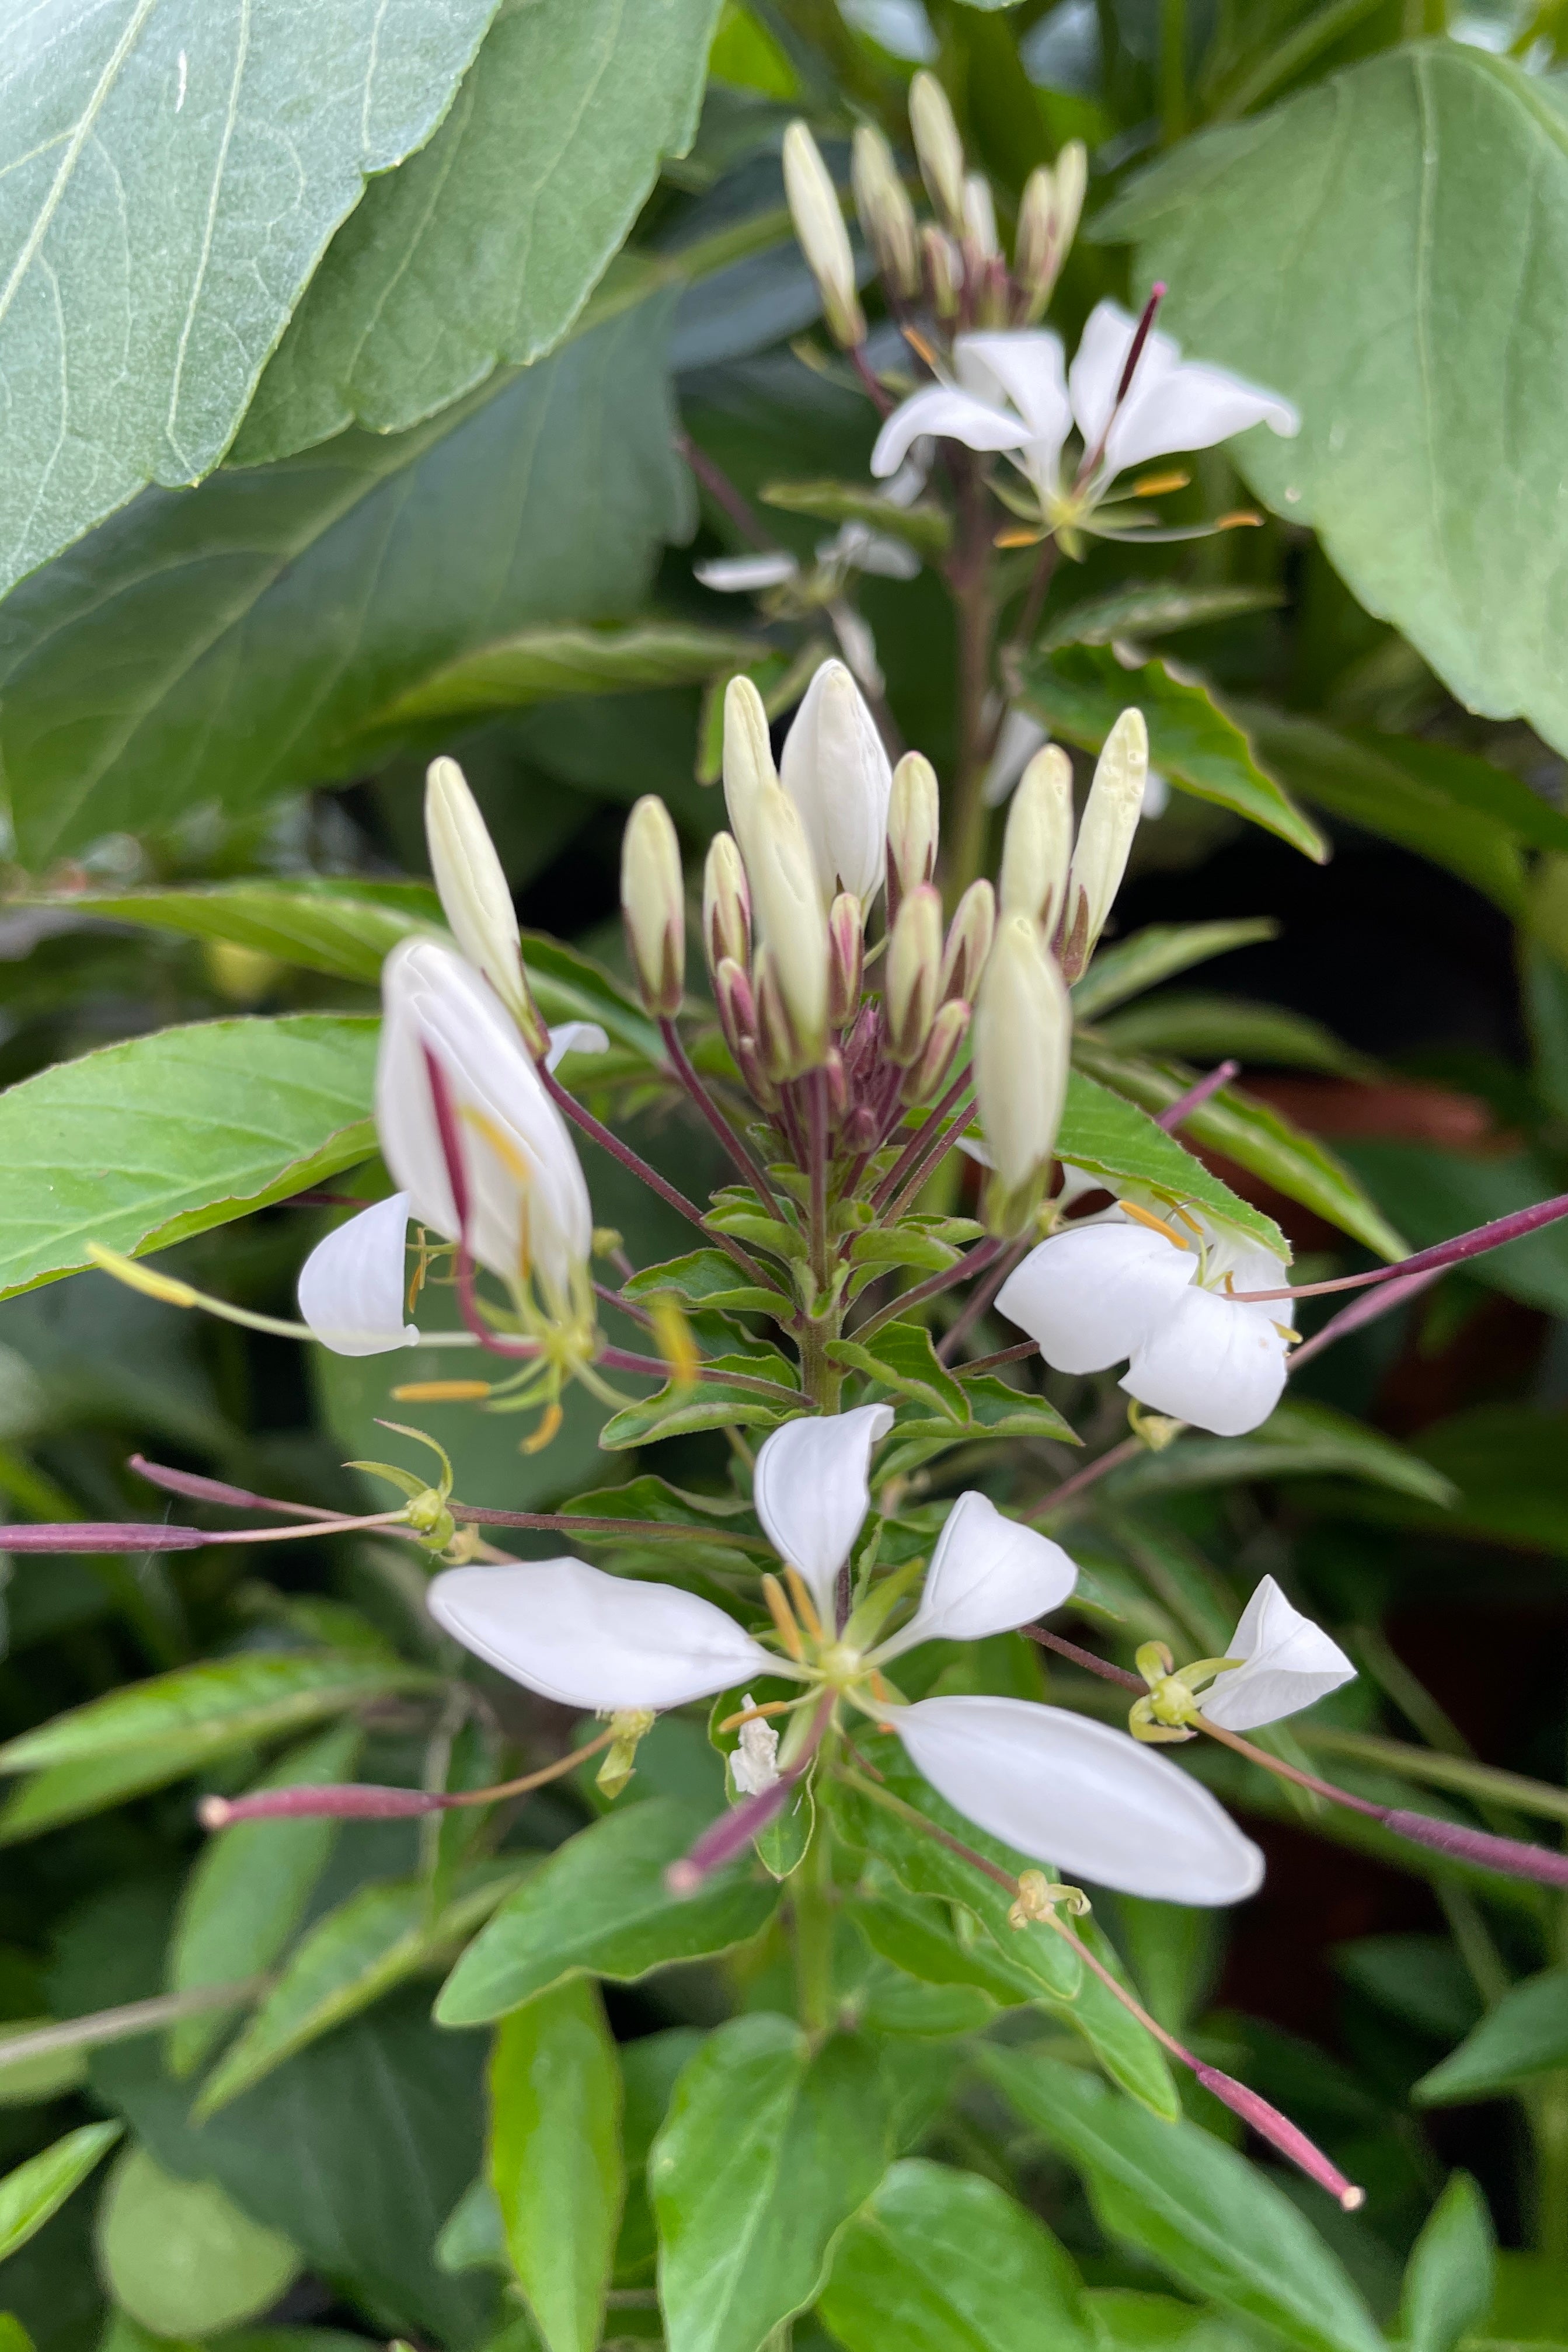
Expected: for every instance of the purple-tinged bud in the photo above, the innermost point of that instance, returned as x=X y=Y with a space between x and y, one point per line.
x=914 y=974
x=726 y=905
x=914 y=815
x=887 y=216
x=837 y=1083
x=943 y=272
x=927 y=1076
x=845 y=959
x=969 y=942
x=653 y=906
x=736 y=1000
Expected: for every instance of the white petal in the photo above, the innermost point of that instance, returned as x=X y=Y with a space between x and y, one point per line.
x=733 y=575
x=1096 y=369
x=951 y=415
x=1085 y=1797
x=988 y=1574
x=1020 y=739
x=1182 y=405
x=352 y=1284
x=1212 y=1362
x=1093 y=1295
x=812 y=1491
x=837 y=771
x=1290 y=1661
x=1026 y=365
x=591 y=1640
x=574 y=1037
x=864 y=549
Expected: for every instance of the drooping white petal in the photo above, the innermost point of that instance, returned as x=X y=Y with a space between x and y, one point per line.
x=1212 y=1361
x=352 y=1284
x=586 y=1639
x=1081 y=1796
x=574 y=1037
x=812 y=1491
x=1172 y=405
x=837 y=771
x=1290 y=1661
x=861 y=548
x=948 y=413
x=1025 y=365
x=1092 y=1295
x=988 y=1574
x=528 y=1201
x=735 y=575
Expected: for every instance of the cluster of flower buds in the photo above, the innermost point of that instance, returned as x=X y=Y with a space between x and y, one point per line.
x=952 y=267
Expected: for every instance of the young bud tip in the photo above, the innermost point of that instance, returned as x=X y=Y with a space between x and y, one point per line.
x=213 y=1813
x=823 y=239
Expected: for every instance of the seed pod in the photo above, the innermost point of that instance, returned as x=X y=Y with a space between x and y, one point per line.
x=969 y=941
x=887 y=216
x=653 y=906
x=823 y=239
x=1037 y=844
x=914 y=973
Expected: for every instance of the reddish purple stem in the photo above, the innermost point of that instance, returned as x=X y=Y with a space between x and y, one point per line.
x=730 y=1834
x=1280 y=2133
x=103 y=1535
x=354 y=1800
x=1365 y=1309
x=1175 y=1113
x=214 y=1490
x=1475 y=1243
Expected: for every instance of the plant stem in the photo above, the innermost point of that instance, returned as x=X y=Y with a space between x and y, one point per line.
x=1070 y=1488
x=978 y=1259
x=925 y=1135
x=969 y=584
x=975 y=1305
x=680 y=1063
x=812 y=1919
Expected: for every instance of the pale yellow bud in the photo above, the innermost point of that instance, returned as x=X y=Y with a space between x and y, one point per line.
x=979 y=215
x=653 y=906
x=943 y=271
x=1047 y=223
x=914 y=817
x=887 y=216
x=1038 y=845
x=969 y=942
x=1021 y=1047
x=823 y=239
x=748 y=758
x=938 y=148
x=914 y=974
x=474 y=895
x=793 y=924
x=1105 y=838
x=726 y=904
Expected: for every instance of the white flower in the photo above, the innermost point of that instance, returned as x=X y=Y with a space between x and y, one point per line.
x=1058 y=1787
x=352 y=1284
x=476 y=897
x=1288 y=1663
x=1158 y=1293
x=1012 y=393
x=737 y=575
x=837 y=771
x=574 y=1037
x=528 y=1209
x=755 y=1766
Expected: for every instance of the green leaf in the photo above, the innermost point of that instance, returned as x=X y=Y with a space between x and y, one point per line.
x=711 y=1280
x=917 y=1936
x=766 y=2152
x=343 y=928
x=1437 y=1195
x=1081 y=692
x=924 y=526
x=1149 y=610
x=225 y=1703
x=1448 y=2278
x=1110 y=1137
x=1506 y=1463
x=554 y=2158
x=599 y=1904
x=179 y=2255
x=69 y=1792
x=1157 y=954
x=14 y=2336
x=481 y=251
x=1525 y=2035
x=34 y=2190
x=1194 y=2205
x=153 y=248
x=1212 y=1028
x=540 y=664
x=48 y=2074
x=1300 y=1440
x=248 y=1892
x=1258 y=1137
x=229 y=644
x=709 y=1403
x=382 y=1934
x=940 y=2260
x=902 y=1357
x=651 y=2067
x=91 y=1153
x=1445 y=171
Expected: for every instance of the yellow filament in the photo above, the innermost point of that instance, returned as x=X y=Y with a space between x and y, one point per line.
x=550 y=1422
x=804 y=1606
x=783 y=1618
x=755 y=1713
x=1156 y=1224
x=1187 y=1218
x=918 y=343
x=441 y=1391
x=1175 y=478
x=141 y=1277
x=1243 y=520
x=1020 y=538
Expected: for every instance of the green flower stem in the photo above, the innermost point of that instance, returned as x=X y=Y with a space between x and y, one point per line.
x=811 y=1908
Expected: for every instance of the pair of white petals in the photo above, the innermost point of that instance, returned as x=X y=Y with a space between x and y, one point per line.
x=835 y=769
x=1014 y=393
x=1109 y=1290
x=352 y=1287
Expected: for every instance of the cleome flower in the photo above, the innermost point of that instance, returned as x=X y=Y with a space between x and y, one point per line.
x=1056 y=1785
x=1278 y=1662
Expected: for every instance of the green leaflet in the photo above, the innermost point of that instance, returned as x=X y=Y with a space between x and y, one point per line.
x=92 y=1153
x=343 y=928
x=924 y=526
x=1448 y=2279
x=1301 y=1439
x=599 y=1905
x=1148 y=611
x=34 y=2190
x=1079 y=693
x=1213 y=1028
x=180 y=2257
x=708 y=1279
x=122 y=340
x=540 y=664
x=1110 y=1137
x=1157 y=954
x=1525 y=2035
x=708 y=1403
x=902 y=1357
x=554 y=2157
x=766 y=2152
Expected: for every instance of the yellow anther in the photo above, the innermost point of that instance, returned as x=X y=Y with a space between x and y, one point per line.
x=1243 y=520
x=755 y=1713
x=782 y=1617
x=1156 y=1224
x=1019 y=538
x=441 y=1391
x=550 y=1422
x=1151 y=486
x=804 y=1606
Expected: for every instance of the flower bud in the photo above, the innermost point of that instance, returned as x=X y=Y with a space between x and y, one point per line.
x=836 y=771
x=823 y=239
x=793 y=928
x=969 y=942
x=914 y=812
x=943 y=271
x=653 y=906
x=739 y=1019
x=927 y=1076
x=726 y=905
x=474 y=895
x=887 y=216
x=1047 y=223
x=979 y=215
x=1104 y=838
x=938 y=148
x=1037 y=843
x=846 y=958
x=748 y=758
x=1022 y=1043
x=914 y=973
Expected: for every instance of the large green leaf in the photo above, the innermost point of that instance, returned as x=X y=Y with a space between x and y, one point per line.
x=170 y=182
x=554 y=2157
x=1525 y=2035
x=343 y=928
x=140 y=1144
x=1080 y=691
x=483 y=249
x=538 y=664
x=1110 y=1137
x=1300 y=1440
x=229 y=645
x=940 y=2260
x=599 y=1904
x=1157 y=954
x=1433 y=441
x=1197 y=2207
x=40 y=2187
x=767 y=2150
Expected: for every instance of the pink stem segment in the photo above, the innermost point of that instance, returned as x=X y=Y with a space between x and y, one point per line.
x=1174 y=1114
x=1281 y=2133
x=1475 y=1243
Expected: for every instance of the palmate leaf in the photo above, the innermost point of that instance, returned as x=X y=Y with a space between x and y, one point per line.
x=172 y=179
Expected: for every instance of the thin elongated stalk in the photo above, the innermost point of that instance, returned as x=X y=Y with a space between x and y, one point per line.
x=977 y=1260
x=747 y=1165
x=929 y=1132
x=1475 y=1243
x=1175 y=1113
x=1070 y=1488
x=130 y=2019
x=975 y=1305
x=362 y=1800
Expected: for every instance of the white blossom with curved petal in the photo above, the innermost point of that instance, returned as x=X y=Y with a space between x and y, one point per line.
x=1172 y=404
x=987 y=1575
x=351 y=1287
x=810 y=1489
x=574 y=1037
x=835 y=769
x=1289 y=1664
x=1092 y=1294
